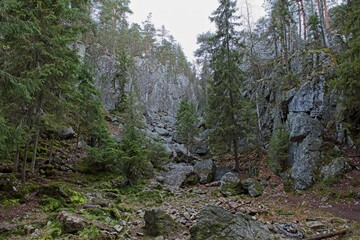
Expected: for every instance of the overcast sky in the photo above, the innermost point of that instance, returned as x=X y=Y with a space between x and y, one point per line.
x=184 y=19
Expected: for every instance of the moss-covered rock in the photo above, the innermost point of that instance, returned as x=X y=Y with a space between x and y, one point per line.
x=216 y=223
x=6 y=167
x=47 y=170
x=62 y=193
x=230 y=185
x=9 y=183
x=71 y=223
x=157 y=223
x=252 y=186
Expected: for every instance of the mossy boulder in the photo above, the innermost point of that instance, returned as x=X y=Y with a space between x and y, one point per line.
x=6 y=167
x=71 y=223
x=230 y=185
x=47 y=169
x=206 y=170
x=252 y=186
x=217 y=223
x=9 y=183
x=336 y=169
x=159 y=223
x=63 y=193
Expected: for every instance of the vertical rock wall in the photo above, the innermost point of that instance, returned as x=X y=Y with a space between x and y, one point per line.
x=302 y=103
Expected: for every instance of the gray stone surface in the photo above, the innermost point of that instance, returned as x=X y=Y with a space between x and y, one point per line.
x=205 y=170
x=159 y=223
x=310 y=98
x=252 y=186
x=67 y=133
x=71 y=223
x=336 y=169
x=217 y=223
x=177 y=175
x=230 y=185
x=305 y=136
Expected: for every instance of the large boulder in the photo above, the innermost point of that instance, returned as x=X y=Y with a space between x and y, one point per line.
x=9 y=183
x=252 y=186
x=304 y=154
x=159 y=223
x=205 y=170
x=179 y=175
x=71 y=223
x=230 y=185
x=6 y=167
x=217 y=223
x=67 y=133
x=220 y=172
x=336 y=169
x=200 y=148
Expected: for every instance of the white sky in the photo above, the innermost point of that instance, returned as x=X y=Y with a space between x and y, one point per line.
x=184 y=19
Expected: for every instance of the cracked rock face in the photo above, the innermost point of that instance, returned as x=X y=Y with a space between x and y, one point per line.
x=217 y=223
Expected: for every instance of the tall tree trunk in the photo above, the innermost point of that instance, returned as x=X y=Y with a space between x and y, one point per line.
x=16 y=160
x=236 y=156
x=299 y=18
x=23 y=173
x=322 y=20
x=304 y=18
x=33 y=161
x=51 y=149
x=326 y=15
x=312 y=7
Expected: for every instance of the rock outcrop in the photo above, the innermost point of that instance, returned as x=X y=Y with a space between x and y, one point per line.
x=303 y=104
x=206 y=170
x=217 y=223
x=159 y=223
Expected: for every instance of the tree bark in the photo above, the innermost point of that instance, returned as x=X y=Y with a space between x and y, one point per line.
x=16 y=160
x=236 y=157
x=326 y=14
x=299 y=18
x=304 y=18
x=23 y=173
x=322 y=20
x=33 y=161
x=51 y=148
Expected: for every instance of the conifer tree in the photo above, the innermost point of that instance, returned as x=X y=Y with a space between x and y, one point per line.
x=348 y=69
x=226 y=105
x=186 y=122
x=38 y=67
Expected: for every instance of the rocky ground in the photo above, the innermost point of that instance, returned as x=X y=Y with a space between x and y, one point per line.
x=71 y=205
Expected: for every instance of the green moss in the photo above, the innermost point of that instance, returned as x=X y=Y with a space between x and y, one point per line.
x=10 y=202
x=90 y=233
x=50 y=204
x=284 y=213
x=95 y=211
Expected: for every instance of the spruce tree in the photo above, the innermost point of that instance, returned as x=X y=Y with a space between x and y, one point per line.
x=348 y=82
x=38 y=67
x=226 y=106
x=186 y=122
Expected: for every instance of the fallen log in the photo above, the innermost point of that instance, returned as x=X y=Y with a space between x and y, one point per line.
x=327 y=235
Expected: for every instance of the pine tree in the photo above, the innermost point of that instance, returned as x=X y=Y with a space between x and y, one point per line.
x=226 y=111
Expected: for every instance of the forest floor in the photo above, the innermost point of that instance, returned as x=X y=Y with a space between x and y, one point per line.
x=120 y=211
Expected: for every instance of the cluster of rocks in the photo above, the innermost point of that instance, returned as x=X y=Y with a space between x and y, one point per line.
x=161 y=125
x=205 y=172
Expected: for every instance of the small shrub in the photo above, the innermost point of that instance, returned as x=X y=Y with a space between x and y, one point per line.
x=278 y=150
